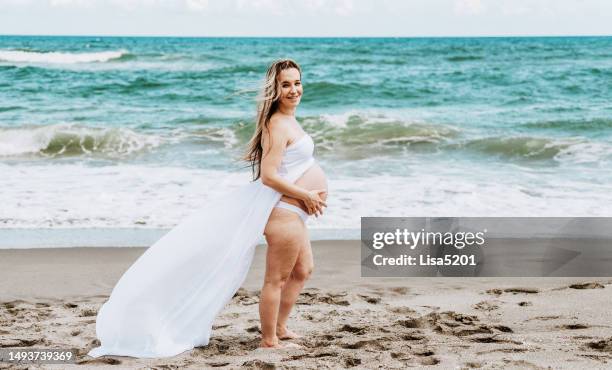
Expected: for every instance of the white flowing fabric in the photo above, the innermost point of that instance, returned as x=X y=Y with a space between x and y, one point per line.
x=165 y=303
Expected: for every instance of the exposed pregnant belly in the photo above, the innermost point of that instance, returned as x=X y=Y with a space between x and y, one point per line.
x=313 y=179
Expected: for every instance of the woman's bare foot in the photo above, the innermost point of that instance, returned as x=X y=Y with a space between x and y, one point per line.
x=270 y=343
x=277 y=345
x=284 y=333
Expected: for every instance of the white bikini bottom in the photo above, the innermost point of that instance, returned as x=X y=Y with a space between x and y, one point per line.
x=288 y=206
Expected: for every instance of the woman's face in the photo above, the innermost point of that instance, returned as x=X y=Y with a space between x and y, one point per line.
x=291 y=87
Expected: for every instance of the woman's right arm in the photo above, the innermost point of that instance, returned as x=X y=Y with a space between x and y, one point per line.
x=273 y=143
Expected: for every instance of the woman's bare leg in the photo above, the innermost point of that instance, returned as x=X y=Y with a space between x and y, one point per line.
x=291 y=291
x=284 y=240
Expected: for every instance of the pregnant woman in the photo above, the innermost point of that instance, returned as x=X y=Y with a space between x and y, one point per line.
x=165 y=303
x=279 y=138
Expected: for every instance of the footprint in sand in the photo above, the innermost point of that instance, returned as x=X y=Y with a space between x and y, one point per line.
x=13 y=304
x=330 y=337
x=379 y=344
x=573 y=326
x=87 y=312
x=215 y=364
x=245 y=298
x=400 y=356
x=519 y=290
x=503 y=350
x=316 y=354
x=20 y=342
x=592 y=285
x=486 y=306
x=493 y=339
x=258 y=364
x=353 y=329
x=402 y=310
x=400 y=290
x=411 y=323
x=429 y=361
x=371 y=300
x=545 y=318
x=604 y=345
x=311 y=298
x=416 y=336
x=453 y=323
x=427 y=357
x=351 y=361
x=101 y=360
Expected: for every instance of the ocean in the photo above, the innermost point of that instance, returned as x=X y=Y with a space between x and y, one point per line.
x=108 y=134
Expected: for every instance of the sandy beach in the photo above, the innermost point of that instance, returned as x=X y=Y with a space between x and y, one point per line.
x=50 y=297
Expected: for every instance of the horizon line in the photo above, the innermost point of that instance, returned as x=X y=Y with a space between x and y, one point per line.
x=309 y=37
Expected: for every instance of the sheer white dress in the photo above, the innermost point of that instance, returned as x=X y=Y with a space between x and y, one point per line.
x=165 y=303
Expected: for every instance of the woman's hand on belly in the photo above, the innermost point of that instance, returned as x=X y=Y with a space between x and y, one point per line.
x=315 y=202
x=315 y=182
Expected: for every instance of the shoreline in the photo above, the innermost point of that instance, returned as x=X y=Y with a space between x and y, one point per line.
x=45 y=238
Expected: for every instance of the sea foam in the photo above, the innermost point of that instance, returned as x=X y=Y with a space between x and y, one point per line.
x=70 y=140
x=19 y=56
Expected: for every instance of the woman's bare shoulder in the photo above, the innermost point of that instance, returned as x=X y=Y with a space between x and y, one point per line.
x=281 y=118
x=276 y=132
x=279 y=124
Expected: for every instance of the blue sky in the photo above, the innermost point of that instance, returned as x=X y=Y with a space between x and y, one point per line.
x=306 y=17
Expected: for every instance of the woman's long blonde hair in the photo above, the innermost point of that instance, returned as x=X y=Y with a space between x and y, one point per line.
x=267 y=104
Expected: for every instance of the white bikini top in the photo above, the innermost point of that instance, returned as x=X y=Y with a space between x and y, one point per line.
x=298 y=157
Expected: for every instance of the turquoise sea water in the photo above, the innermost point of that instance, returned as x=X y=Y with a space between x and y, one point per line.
x=137 y=132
